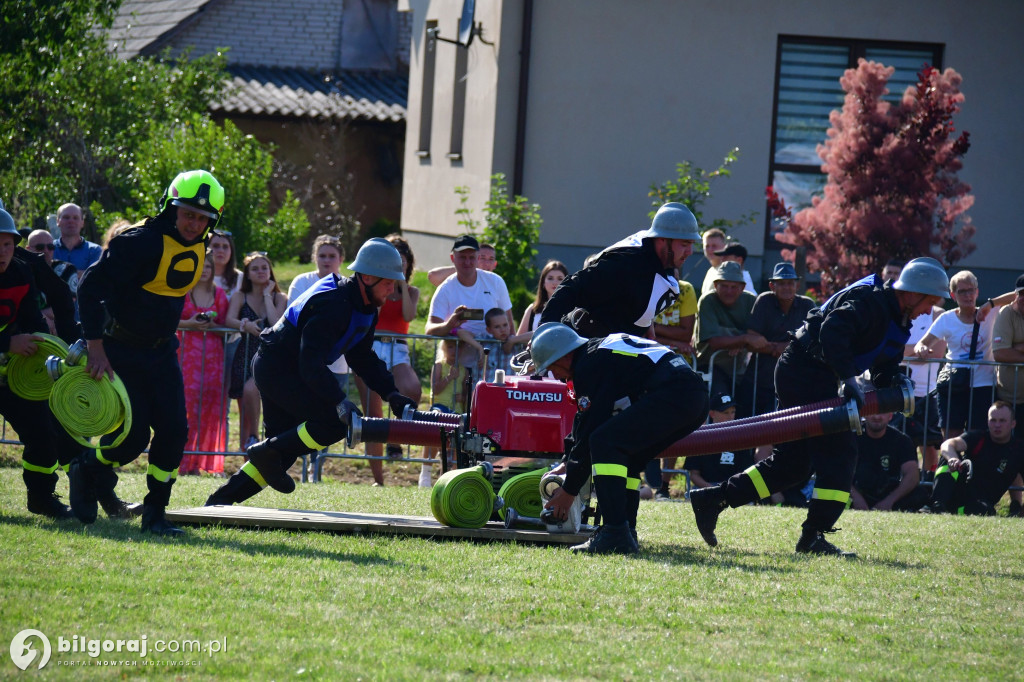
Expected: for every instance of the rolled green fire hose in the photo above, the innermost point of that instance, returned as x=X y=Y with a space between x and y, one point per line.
x=522 y=493
x=85 y=407
x=464 y=498
x=27 y=376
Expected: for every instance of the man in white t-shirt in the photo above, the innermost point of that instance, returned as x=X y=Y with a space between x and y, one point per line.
x=461 y=300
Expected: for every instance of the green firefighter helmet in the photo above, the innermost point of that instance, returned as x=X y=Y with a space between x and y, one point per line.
x=551 y=341
x=379 y=258
x=197 y=190
x=924 y=276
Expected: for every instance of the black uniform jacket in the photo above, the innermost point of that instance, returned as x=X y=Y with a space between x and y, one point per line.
x=605 y=371
x=622 y=291
x=860 y=328
x=140 y=281
x=19 y=304
x=328 y=320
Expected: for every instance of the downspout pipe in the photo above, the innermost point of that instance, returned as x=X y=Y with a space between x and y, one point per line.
x=524 y=90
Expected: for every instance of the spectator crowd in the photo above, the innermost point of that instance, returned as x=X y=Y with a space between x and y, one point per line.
x=959 y=452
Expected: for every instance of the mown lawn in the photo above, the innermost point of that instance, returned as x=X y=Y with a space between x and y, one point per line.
x=929 y=598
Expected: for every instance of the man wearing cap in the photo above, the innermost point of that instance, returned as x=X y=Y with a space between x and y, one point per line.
x=630 y=282
x=462 y=299
x=304 y=407
x=775 y=315
x=708 y=470
x=722 y=330
x=130 y=302
x=737 y=253
x=634 y=397
x=863 y=328
x=70 y=245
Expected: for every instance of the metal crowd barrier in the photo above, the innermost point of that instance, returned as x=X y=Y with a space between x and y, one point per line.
x=312 y=470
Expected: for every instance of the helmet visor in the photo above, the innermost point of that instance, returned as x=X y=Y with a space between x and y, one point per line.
x=212 y=215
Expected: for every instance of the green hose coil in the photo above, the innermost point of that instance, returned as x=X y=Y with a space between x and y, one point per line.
x=464 y=498
x=522 y=493
x=85 y=407
x=27 y=376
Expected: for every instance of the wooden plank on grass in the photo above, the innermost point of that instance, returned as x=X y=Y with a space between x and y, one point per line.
x=354 y=522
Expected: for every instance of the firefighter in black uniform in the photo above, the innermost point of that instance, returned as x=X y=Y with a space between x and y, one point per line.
x=863 y=327
x=20 y=320
x=630 y=282
x=634 y=398
x=130 y=302
x=626 y=287
x=304 y=408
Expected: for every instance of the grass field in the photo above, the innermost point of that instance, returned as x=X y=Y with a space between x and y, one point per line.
x=931 y=597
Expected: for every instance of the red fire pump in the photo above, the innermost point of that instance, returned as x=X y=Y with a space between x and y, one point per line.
x=518 y=425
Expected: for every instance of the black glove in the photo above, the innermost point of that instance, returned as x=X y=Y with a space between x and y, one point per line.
x=850 y=389
x=903 y=381
x=398 y=403
x=345 y=410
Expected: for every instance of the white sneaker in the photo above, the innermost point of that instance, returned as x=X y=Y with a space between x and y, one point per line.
x=425 y=478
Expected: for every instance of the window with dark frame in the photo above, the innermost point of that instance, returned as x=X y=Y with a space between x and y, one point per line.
x=807 y=89
x=427 y=93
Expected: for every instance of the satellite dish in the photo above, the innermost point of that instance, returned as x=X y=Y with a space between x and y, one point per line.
x=466 y=22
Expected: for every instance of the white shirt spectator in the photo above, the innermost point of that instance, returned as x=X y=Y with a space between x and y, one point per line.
x=958 y=344
x=489 y=291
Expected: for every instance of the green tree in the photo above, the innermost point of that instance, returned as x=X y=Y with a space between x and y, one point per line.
x=513 y=226
x=242 y=165
x=71 y=112
x=692 y=187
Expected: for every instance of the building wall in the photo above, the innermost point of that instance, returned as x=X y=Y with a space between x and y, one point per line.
x=621 y=92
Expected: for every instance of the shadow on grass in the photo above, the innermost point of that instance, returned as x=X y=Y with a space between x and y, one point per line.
x=121 y=531
x=752 y=562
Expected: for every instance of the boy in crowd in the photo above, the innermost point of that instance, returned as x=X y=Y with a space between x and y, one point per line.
x=498 y=355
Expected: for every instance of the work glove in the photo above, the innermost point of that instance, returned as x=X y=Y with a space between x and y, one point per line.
x=850 y=388
x=903 y=381
x=345 y=409
x=398 y=403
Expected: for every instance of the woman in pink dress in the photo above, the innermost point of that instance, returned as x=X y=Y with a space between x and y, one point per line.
x=201 y=354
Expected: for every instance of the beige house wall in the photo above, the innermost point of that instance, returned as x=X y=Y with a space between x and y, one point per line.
x=619 y=92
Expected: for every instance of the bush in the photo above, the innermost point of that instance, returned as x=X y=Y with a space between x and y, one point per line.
x=240 y=163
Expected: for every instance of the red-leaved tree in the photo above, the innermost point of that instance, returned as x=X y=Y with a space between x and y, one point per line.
x=892 y=189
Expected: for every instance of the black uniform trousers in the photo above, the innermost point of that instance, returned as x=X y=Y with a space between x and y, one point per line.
x=801 y=380
x=156 y=391
x=295 y=420
x=37 y=429
x=672 y=404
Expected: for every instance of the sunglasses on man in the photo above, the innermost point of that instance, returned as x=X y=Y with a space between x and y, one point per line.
x=44 y=247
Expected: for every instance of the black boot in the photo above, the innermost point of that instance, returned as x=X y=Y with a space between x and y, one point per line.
x=239 y=488
x=708 y=504
x=814 y=542
x=610 y=539
x=116 y=508
x=48 y=504
x=267 y=461
x=154 y=521
x=82 y=493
